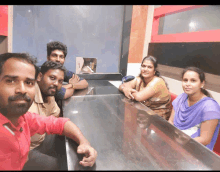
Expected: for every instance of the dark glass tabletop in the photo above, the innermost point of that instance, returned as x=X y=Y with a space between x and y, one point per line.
x=129 y=136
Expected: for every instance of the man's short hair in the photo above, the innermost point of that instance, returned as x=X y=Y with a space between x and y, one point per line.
x=56 y=45
x=21 y=56
x=52 y=65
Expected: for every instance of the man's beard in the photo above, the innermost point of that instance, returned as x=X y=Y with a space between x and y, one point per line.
x=16 y=109
x=51 y=93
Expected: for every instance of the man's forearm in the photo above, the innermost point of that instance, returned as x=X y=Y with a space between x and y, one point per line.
x=81 y=85
x=72 y=131
x=70 y=88
x=67 y=86
x=69 y=91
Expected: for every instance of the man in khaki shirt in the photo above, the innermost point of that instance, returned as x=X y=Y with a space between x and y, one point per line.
x=44 y=109
x=49 y=81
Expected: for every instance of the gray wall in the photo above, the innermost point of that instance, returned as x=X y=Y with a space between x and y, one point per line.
x=87 y=30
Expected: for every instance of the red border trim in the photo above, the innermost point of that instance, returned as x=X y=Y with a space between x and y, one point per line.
x=4 y=20
x=171 y=9
x=199 y=36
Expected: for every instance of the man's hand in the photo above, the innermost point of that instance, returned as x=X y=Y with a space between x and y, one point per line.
x=90 y=155
x=128 y=92
x=74 y=79
x=72 y=131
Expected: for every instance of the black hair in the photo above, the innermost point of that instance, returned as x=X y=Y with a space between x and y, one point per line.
x=21 y=56
x=51 y=65
x=56 y=45
x=155 y=63
x=201 y=77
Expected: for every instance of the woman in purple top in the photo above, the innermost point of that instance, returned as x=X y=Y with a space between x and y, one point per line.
x=194 y=111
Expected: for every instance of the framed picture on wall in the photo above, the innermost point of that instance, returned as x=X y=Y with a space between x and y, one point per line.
x=85 y=65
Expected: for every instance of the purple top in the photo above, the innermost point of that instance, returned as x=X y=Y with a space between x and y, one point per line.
x=188 y=116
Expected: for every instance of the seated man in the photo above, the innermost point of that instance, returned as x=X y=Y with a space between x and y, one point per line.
x=57 y=51
x=49 y=81
x=17 y=82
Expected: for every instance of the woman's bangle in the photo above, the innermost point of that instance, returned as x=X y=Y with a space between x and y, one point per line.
x=122 y=88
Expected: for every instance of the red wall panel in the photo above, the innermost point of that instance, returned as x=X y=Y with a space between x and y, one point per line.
x=200 y=36
x=170 y=9
x=4 y=20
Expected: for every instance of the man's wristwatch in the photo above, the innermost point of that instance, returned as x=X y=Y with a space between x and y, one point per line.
x=73 y=86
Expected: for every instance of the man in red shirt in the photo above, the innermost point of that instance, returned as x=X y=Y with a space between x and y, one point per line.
x=17 y=83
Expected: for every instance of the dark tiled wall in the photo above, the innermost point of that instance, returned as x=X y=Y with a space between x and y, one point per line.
x=174 y=57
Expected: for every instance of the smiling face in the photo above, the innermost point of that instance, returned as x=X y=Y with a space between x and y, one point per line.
x=17 y=83
x=57 y=56
x=50 y=82
x=191 y=83
x=147 y=69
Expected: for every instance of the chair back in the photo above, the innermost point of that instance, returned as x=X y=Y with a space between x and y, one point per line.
x=216 y=148
x=173 y=96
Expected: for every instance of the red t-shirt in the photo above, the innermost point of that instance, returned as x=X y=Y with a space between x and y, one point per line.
x=15 y=140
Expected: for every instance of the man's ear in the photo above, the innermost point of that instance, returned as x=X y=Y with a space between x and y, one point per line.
x=39 y=76
x=48 y=58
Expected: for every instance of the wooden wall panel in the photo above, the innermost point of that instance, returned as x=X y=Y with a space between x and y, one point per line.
x=137 y=36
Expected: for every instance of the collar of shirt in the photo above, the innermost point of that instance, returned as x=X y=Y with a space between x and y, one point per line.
x=38 y=96
x=19 y=124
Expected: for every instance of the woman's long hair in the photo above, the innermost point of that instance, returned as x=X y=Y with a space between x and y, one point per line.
x=155 y=63
x=201 y=77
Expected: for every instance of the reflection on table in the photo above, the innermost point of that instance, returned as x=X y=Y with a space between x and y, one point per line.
x=97 y=87
x=129 y=136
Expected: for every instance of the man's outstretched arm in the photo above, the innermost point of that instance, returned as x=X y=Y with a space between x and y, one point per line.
x=72 y=131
